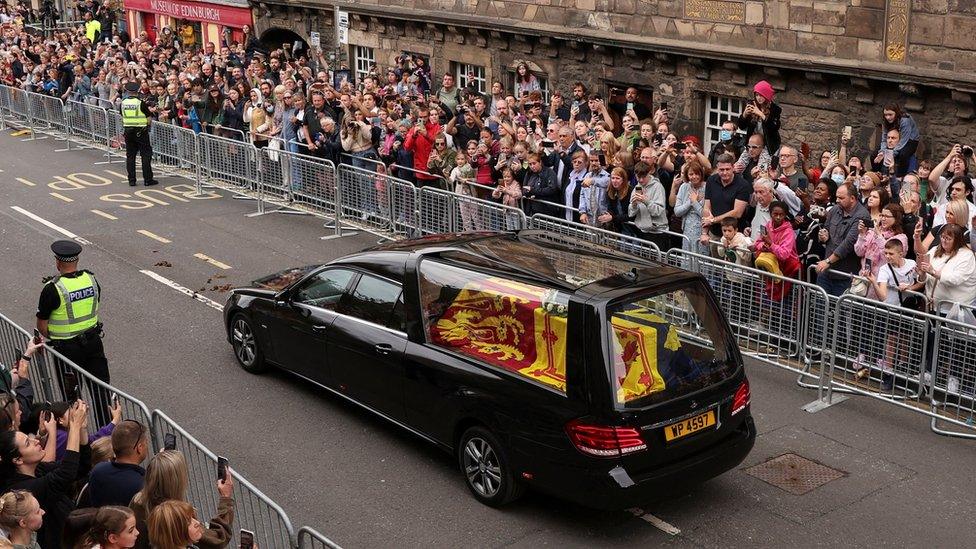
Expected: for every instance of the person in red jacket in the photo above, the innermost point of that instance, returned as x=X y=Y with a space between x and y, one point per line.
x=420 y=141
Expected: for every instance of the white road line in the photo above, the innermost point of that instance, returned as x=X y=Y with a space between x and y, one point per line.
x=26 y=182
x=154 y=236
x=48 y=224
x=212 y=261
x=661 y=525
x=184 y=290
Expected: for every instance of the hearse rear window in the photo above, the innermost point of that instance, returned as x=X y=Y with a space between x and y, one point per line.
x=666 y=345
x=518 y=327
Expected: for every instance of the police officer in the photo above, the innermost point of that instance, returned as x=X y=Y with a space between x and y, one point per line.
x=135 y=121
x=67 y=314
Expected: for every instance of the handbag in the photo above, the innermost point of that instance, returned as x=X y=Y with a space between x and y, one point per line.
x=859 y=287
x=914 y=302
x=274 y=146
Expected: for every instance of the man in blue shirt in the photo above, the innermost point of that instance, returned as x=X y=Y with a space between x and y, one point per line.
x=115 y=482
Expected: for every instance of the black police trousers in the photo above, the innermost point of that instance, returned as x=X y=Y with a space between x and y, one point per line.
x=88 y=353
x=137 y=141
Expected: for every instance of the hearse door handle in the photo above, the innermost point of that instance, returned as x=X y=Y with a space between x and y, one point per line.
x=319 y=329
x=383 y=348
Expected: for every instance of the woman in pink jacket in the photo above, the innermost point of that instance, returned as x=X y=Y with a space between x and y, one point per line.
x=779 y=239
x=871 y=241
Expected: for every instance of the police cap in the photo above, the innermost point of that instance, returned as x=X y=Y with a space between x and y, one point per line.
x=66 y=251
x=132 y=87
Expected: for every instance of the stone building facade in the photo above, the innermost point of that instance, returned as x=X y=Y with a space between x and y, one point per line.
x=832 y=63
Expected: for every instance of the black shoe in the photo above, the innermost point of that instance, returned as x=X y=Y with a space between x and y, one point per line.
x=887 y=382
x=132 y=183
x=150 y=183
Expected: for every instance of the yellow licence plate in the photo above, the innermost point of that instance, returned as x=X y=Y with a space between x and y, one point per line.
x=689 y=426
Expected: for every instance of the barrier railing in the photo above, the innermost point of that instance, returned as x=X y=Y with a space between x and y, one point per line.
x=253 y=510
x=309 y=538
x=797 y=328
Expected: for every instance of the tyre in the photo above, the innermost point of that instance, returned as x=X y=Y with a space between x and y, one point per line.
x=486 y=468
x=245 y=343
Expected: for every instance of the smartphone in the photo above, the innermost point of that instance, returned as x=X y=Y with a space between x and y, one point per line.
x=889 y=156
x=603 y=159
x=247 y=539
x=37 y=336
x=868 y=264
x=169 y=441
x=763 y=230
x=680 y=146
x=115 y=399
x=45 y=416
x=869 y=223
x=774 y=163
x=222 y=468
x=72 y=391
x=532 y=125
x=664 y=105
x=847 y=132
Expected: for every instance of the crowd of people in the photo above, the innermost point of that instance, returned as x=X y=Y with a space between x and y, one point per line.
x=880 y=223
x=65 y=484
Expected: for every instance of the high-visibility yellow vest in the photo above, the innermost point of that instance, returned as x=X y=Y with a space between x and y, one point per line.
x=132 y=115
x=78 y=310
x=92 y=28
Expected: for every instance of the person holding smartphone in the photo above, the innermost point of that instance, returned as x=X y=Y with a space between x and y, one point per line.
x=762 y=116
x=167 y=478
x=22 y=467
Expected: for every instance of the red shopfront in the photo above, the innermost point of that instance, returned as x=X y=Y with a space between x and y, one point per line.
x=207 y=20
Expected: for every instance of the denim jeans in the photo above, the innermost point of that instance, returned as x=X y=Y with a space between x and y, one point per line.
x=833 y=286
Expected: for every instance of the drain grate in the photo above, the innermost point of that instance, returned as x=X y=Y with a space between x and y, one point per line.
x=794 y=474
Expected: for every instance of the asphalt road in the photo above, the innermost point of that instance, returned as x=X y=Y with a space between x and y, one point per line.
x=365 y=483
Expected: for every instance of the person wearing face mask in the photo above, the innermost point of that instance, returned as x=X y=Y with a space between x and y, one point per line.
x=728 y=142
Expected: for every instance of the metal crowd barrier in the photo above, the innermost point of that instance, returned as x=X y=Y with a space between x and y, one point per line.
x=776 y=319
x=309 y=538
x=252 y=509
x=801 y=328
x=602 y=237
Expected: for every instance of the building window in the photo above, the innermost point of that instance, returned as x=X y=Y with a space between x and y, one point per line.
x=465 y=74
x=717 y=110
x=365 y=59
x=543 y=84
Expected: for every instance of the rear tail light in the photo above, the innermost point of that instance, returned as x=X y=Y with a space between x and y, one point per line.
x=741 y=398
x=603 y=440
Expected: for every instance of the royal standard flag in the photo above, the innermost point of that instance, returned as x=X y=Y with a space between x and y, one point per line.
x=510 y=325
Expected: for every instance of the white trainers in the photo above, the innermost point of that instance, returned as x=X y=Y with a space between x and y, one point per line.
x=927 y=379
x=953 y=385
x=885 y=367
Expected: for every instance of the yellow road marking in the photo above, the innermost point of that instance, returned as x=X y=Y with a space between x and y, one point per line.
x=153 y=236
x=19 y=133
x=105 y=215
x=212 y=261
x=26 y=182
x=116 y=174
x=62 y=197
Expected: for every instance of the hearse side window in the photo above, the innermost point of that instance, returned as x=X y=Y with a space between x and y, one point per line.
x=324 y=289
x=373 y=300
x=518 y=327
x=666 y=345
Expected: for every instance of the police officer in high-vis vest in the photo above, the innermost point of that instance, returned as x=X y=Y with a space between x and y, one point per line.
x=135 y=121
x=67 y=316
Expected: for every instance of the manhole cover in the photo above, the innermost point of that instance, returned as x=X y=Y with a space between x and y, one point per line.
x=795 y=474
